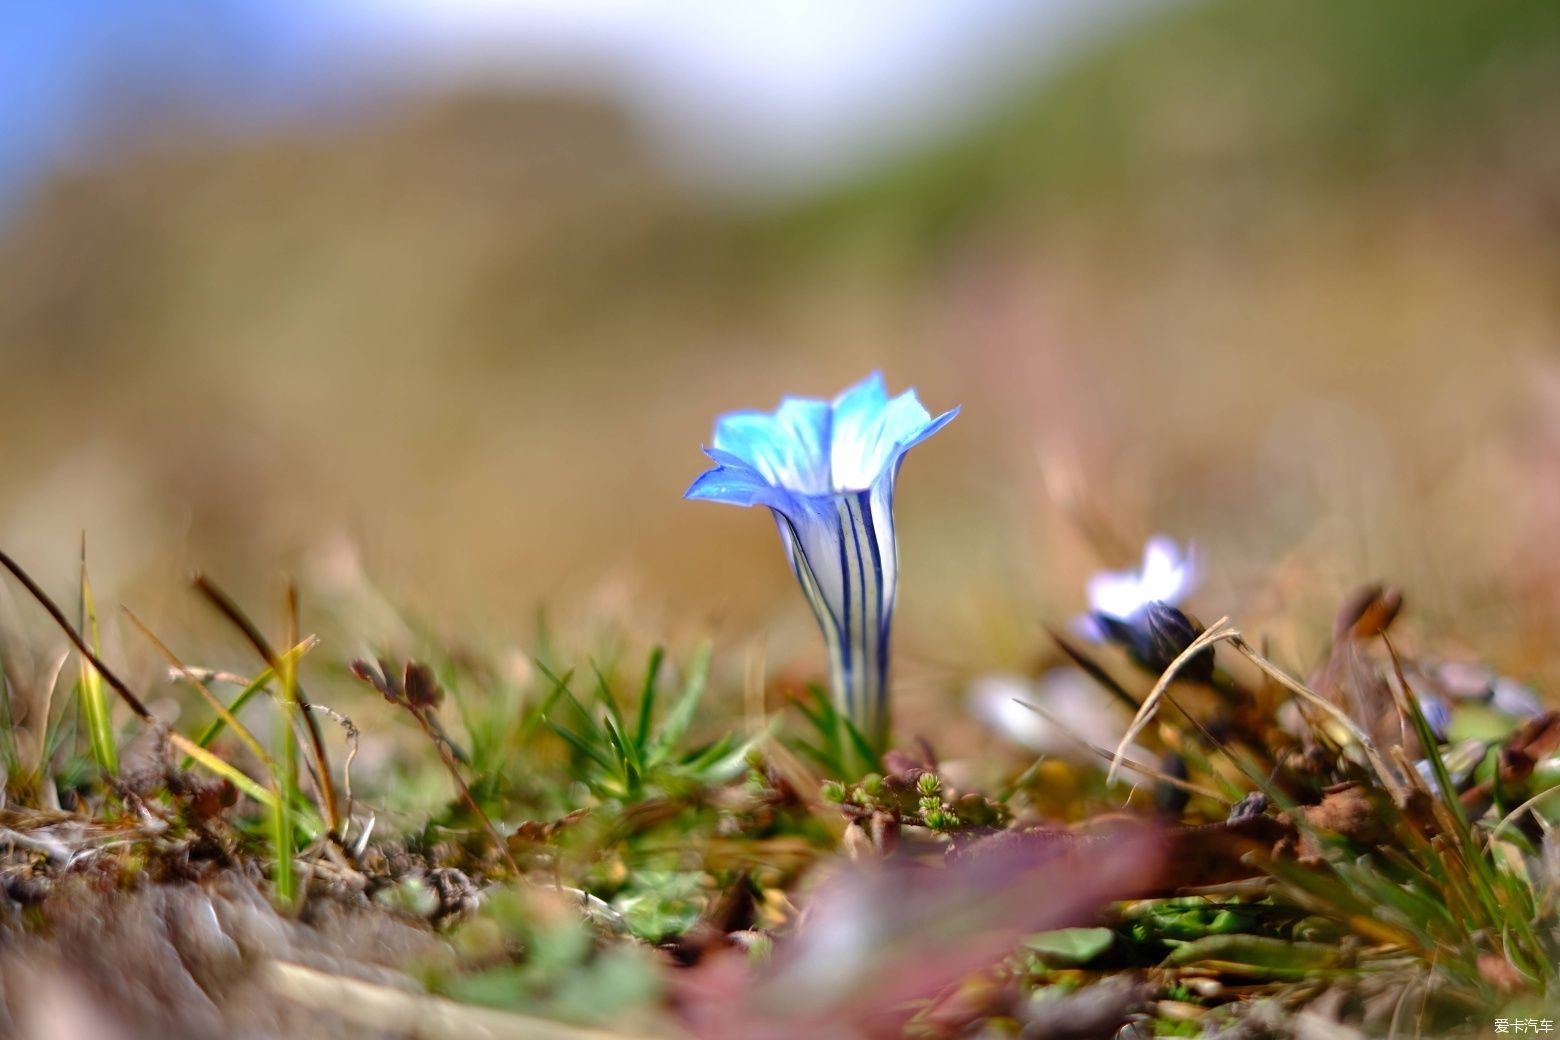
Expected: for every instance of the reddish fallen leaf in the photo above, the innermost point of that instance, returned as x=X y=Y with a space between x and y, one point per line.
x=877 y=938
x=1351 y=679
x=1192 y=856
x=1367 y=612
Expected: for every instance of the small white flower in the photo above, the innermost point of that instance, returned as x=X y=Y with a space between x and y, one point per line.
x=1072 y=714
x=1167 y=576
x=1515 y=699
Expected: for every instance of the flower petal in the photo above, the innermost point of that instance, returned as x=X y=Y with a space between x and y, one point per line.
x=1167 y=575
x=736 y=483
x=864 y=398
x=927 y=429
x=789 y=447
x=1116 y=594
x=872 y=431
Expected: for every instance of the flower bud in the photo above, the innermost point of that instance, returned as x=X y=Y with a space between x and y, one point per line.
x=1156 y=636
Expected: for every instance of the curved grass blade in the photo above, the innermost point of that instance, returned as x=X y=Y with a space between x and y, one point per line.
x=245 y=695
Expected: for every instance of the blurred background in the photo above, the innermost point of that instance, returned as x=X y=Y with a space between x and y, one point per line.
x=444 y=295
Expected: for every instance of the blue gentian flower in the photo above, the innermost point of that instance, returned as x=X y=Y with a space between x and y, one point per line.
x=826 y=470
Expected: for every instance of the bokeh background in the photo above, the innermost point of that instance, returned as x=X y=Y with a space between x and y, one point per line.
x=444 y=296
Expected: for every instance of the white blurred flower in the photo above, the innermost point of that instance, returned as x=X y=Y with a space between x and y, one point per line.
x=1515 y=699
x=1119 y=599
x=1472 y=681
x=1074 y=712
x=1167 y=576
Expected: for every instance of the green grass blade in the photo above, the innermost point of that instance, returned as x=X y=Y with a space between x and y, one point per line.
x=582 y=746
x=843 y=750
x=94 y=699
x=218 y=724
x=866 y=756
x=823 y=714
x=603 y=692
x=647 y=699
x=561 y=691
x=282 y=836
x=680 y=719
x=225 y=769
x=540 y=715
x=628 y=767
x=823 y=758
x=1482 y=875
x=8 y=749
x=721 y=762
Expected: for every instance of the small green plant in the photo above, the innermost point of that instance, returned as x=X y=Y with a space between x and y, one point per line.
x=834 y=744
x=915 y=797
x=529 y=950
x=623 y=758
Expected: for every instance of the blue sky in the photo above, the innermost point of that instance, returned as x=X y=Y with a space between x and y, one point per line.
x=762 y=92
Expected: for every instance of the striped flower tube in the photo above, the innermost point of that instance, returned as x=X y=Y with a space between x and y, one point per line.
x=826 y=470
